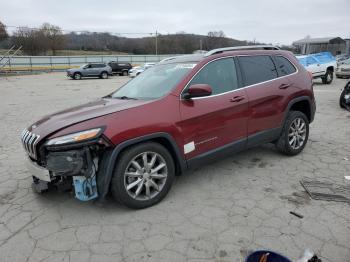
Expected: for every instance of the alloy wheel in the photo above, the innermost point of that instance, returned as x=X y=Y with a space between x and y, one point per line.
x=297 y=133
x=145 y=176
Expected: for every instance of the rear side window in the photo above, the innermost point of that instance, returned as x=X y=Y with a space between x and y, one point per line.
x=96 y=65
x=284 y=67
x=257 y=69
x=220 y=75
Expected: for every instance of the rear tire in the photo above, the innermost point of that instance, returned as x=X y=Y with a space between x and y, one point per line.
x=328 y=77
x=77 y=76
x=125 y=73
x=139 y=185
x=295 y=134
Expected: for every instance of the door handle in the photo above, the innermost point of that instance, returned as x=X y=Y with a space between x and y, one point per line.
x=284 y=86
x=236 y=99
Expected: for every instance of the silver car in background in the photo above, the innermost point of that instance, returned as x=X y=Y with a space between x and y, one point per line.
x=100 y=70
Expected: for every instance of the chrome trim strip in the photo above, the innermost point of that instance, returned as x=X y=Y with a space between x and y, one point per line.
x=244 y=87
x=29 y=142
x=30 y=145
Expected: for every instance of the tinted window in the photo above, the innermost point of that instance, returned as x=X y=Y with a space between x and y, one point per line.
x=97 y=65
x=220 y=75
x=257 y=69
x=283 y=65
x=155 y=82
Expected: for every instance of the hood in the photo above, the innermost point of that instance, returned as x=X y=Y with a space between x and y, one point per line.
x=57 y=121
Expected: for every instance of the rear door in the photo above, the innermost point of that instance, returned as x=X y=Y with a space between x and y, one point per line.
x=217 y=120
x=267 y=89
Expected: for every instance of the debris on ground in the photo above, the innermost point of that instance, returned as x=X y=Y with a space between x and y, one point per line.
x=326 y=191
x=296 y=214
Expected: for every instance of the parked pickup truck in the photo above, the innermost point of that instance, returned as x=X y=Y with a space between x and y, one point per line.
x=320 y=65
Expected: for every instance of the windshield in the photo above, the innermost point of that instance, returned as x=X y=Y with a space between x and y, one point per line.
x=155 y=82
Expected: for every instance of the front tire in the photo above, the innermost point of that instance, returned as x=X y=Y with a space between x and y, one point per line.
x=77 y=76
x=143 y=175
x=125 y=73
x=328 y=77
x=295 y=134
x=104 y=75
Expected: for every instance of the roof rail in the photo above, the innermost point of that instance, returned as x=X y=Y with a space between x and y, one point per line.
x=247 y=47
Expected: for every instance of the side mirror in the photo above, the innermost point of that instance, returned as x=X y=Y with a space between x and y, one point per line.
x=198 y=90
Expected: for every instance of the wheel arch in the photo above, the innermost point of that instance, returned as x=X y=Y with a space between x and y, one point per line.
x=165 y=139
x=302 y=104
x=330 y=68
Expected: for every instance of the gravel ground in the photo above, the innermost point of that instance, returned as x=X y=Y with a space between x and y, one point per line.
x=216 y=213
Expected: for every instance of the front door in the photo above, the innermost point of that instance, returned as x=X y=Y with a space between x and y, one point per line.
x=87 y=70
x=215 y=121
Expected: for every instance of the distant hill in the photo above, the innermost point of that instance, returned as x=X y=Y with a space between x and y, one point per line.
x=180 y=43
x=49 y=40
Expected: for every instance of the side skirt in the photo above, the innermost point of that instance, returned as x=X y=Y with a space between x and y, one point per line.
x=234 y=147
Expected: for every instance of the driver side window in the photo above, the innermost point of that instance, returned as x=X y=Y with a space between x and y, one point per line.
x=220 y=75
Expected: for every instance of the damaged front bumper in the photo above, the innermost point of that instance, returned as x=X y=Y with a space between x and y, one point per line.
x=74 y=169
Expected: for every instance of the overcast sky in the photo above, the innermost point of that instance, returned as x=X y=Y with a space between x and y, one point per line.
x=269 y=21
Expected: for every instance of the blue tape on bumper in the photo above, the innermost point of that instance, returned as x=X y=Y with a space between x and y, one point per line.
x=85 y=188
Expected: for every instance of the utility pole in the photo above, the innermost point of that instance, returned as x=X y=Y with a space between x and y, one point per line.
x=156 y=42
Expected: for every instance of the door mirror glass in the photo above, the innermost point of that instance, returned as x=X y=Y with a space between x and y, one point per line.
x=198 y=90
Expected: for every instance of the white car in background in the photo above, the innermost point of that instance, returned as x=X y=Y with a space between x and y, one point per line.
x=343 y=69
x=320 y=65
x=135 y=71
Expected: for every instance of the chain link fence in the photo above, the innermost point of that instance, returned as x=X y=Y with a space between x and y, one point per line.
x=59 y=63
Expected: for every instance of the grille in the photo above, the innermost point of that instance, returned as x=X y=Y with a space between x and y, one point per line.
x=345 y=69
x=29 y=141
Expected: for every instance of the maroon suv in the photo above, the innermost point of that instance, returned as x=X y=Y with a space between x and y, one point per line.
x=177 y=115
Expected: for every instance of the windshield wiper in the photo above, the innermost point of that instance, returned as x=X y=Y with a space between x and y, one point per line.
x=125 y=98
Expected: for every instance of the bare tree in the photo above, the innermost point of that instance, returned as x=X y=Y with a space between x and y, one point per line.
x=3 y=32
x=216 y=39
x=55 y=40
x=219 y=34
x=32 y=41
